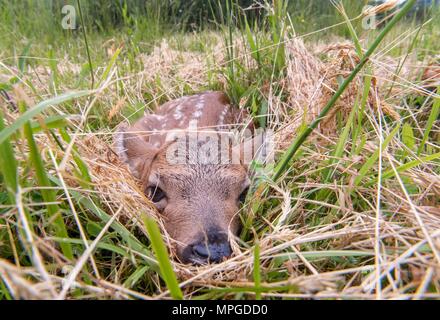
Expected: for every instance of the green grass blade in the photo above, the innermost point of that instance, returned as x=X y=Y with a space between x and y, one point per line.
x=372 y=160
x=51 y=122
x=125 y=234
x=8 y=163
x=128 y=237
x=339 y=149
x=325 y=254
x=408 y=136
x=255 y=52
x=285 y=159
x=84 y=171
x=100 y=245
x=54 y=70
x=135 y=276
x=353 y=34
x=435 y=111
x=160 y=250
x=257 y=271
x=109 y=66
x=48 y=195
x=4 y=291
x=23 y=58
x=5 y=133
x=360 y=115
x=390 y=172
x=78 y=2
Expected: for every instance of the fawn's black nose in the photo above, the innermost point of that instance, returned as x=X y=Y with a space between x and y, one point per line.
x=214 y=249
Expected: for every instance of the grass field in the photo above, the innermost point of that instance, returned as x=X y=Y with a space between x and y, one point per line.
x=350 y=212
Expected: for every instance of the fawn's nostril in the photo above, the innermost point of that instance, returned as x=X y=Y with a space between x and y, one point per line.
x=201 y=250
x=213 y=251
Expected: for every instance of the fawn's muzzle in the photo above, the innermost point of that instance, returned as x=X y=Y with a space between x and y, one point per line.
x=212 y=248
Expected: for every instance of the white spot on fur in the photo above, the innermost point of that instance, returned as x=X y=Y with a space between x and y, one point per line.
x=200 y=105
x=221 y=120
x=198 y=114
x=158 y=117
x=178 y=113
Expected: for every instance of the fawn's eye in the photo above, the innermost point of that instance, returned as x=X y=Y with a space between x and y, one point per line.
x=156 y=194
x=243 y=195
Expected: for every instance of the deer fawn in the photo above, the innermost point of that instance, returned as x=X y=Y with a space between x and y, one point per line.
x=200 y=193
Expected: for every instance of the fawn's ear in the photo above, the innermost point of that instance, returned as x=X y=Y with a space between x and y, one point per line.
x=258 y=148
x=133 y=149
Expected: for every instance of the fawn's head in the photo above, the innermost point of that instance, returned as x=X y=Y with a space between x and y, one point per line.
x=199 y=200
